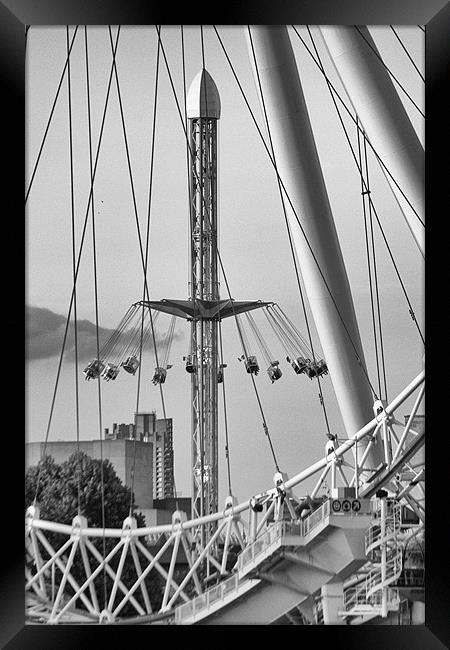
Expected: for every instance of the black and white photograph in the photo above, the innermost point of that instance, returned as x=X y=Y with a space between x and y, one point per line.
x=225 y=325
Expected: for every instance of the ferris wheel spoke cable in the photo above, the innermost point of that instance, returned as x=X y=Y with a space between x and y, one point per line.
x=97 y=339
x=297 y=274
x=377 y=295
x=185 y=124
x=389 y=71
x=144 y=258
x=370 y=200
x=369 y=270
x=335 y=93
x=225 y=419
x=297 y=219
x=407 y=53
x=72 y=211
x=266 y=430
x=238 y=322
x=66 y=328
x=50 y=116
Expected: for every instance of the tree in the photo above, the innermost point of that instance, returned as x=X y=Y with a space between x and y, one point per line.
x=60 y=487
x=90 y=487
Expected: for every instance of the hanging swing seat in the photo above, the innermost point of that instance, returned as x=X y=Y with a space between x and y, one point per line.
x=251 y=365
x=93 y=370
x=322 y=368
x=274 y=371
x=220 y=373
x=299 y=364
x=131 y=365
x=110 y=372
x=160 y=375
x=316 y=369
x=191 y=363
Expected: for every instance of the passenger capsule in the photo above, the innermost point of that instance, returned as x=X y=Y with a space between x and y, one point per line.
x=131 y=365
x=110 y=372
x=93 y=370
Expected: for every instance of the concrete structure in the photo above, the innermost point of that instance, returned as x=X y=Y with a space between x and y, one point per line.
x=148 y=428
x=144 y=425
x=123 y=454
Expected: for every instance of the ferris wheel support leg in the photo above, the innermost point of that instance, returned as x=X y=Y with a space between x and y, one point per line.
x=417 y=613
x=383 y=559
x=383 y=116
x=311 y=222
x=332 y=595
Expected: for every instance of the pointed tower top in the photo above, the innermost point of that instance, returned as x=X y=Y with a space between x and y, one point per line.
x=203 y=97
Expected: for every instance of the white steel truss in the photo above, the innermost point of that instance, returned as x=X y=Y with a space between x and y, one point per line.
x=58 y=593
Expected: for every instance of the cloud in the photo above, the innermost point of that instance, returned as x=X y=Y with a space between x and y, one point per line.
x=45 y=335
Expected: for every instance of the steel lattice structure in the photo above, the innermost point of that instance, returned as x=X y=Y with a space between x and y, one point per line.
x=204 y=286
x=204 y=308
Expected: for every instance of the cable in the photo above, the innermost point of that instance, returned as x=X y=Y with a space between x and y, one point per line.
x=371 y=204
x=281 y=334
x=50 y=117
x=259 y=339
x=375 y=51
x=215 y=243
x=66 y=328
x=72 y=205
x=144 y=260
x=227 y=444
x=407 y=53
x=94 y=255
x=363 y=193
x=297 y=274
x=297 y=219
x=380 y=329
x=333 y=91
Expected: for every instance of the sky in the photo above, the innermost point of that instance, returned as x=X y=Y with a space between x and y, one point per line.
x=252 y=235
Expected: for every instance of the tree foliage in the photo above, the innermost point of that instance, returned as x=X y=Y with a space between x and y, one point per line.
x=59 y=489
x=90 y=487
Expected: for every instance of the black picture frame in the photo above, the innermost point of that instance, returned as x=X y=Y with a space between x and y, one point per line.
x=15 y=15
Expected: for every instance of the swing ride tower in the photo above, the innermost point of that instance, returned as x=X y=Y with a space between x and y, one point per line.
x=204 y=307
x=203 y=112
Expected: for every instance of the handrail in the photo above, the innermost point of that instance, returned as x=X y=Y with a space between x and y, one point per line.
x=292 y=482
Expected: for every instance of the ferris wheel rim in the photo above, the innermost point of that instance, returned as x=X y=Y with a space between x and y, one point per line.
x=239 y=508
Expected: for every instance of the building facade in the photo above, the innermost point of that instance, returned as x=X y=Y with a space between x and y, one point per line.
x=147 y=428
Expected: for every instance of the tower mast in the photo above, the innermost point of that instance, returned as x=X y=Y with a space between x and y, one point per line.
x=203 y=111
x=204 y=307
